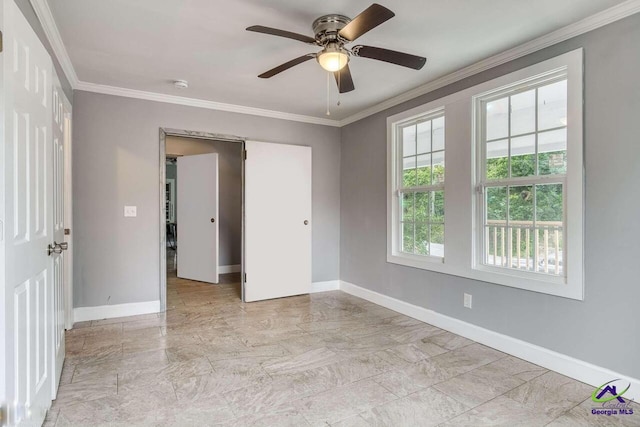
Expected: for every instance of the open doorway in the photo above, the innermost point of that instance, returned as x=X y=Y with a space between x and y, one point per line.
x=202 y=201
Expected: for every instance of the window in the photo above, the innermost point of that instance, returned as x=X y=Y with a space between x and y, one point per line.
x=523 y=164
x=510 y=211
x=421 y=186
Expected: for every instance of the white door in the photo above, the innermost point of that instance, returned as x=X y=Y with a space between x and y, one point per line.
x=57 y=279
x=26 y=174
x=197 y=217
x=277 y=221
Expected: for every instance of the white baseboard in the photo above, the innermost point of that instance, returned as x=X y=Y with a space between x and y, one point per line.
x=329 y=285
x=224 y=269
x=81 y=314
x=566 y=365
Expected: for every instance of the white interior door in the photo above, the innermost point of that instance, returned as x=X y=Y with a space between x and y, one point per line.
x=197 y=217
x=57 y=279
x=277 y=220
x=26 y=162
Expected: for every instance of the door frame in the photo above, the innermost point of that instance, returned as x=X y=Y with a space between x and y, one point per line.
x=164 y=132
x=68 y=211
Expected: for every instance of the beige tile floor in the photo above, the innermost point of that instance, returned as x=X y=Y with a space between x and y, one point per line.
x=322 y=359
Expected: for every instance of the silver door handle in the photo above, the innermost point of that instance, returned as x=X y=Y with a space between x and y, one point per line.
x=57 y=248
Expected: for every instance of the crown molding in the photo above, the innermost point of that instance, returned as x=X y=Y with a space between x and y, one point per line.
x=615 y=13
x=41 y=8
x=607 y=16
x=202 y=103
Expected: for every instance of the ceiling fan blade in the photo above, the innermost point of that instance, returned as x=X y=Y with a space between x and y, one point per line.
x=280 y=68
x=391 y=56
x=344 y=80
x=282 y=33
x=370 y=18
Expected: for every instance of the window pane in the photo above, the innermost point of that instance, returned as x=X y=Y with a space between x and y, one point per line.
x=497 y=159
x=436 y=241
x=422 y=207
x=437 y=206
x=424 y=169
x=496 y=245
x=522 y=247
x=407 y=237
x=424 y=137
x=521 y=204
x=409 y=172
x=409 y=141
x=497 y=204
x=523 y=112
x=552 y=152
x=438 y=134
x=407 y=206
x=552 y=105
x=438 y=167
x=523 y=158
x=422 y=239
x=549 y=249
x=549 y=203
x=497 y=125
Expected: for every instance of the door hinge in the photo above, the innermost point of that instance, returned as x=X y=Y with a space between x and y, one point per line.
x=245 y=154
x=245 y=277
x=67 y=231
x=0 y=41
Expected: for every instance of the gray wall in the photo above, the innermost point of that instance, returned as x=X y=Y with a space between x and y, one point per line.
x=116 y=163
x=32 y=18
x=230 y=190
x=602 y=329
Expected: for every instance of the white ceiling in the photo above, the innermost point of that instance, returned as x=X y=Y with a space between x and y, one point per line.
x=145 y=44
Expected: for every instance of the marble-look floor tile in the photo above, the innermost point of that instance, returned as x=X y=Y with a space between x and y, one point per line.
x=418 y=376
x=422 y=409
x=326 y=358
x=479 y=385
x=499 y=412
x=266 y=397
x=343 y=372
x=467 y=358
x=550 y=394
x=416 y=351
x=355 y=421
x=343 y=402
x=301 y=362
x=87 y=390
x=169 y=372
x=448 y=340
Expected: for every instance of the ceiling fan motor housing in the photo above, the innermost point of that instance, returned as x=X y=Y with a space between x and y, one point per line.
x=326 y=28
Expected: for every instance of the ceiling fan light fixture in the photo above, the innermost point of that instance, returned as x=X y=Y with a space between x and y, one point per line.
x=333 y=58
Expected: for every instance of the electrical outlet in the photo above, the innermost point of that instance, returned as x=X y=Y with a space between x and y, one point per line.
x=467 y=300
x=130 y=211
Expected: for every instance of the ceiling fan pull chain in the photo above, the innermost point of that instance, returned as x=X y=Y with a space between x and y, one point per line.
x=328 y=91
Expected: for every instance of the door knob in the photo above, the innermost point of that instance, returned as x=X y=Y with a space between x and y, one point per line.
x=57 y=248
x=213 y=220
x=54 y=249
x=306 y=222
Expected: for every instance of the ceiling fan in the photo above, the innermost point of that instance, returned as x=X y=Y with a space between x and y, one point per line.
x=332 y=33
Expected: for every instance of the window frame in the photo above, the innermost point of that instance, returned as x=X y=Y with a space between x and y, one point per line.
x=394 y=237
x=399 y=177
x=462 y=173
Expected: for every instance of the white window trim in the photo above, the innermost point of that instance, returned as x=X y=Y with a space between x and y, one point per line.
x=461 y=179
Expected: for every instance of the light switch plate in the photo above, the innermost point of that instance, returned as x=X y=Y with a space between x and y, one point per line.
x=130 y=211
